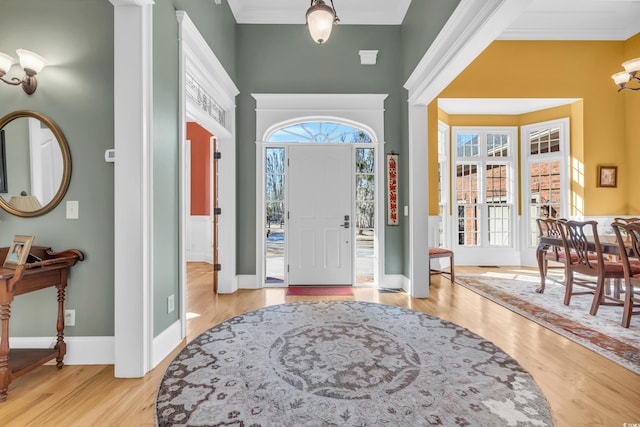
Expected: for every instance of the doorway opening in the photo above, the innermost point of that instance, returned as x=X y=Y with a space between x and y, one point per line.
x=319 y=205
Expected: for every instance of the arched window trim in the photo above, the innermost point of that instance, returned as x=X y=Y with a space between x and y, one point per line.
x=315 y=119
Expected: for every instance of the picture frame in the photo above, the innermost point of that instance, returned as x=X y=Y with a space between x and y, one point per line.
x=3 y=164
x=18 y=251
x=607 y=176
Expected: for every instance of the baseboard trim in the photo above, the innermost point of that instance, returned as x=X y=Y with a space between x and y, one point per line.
x=80 y=350
x=394 y=281
x=101 y=350
x=248 y=281
x=165 y=343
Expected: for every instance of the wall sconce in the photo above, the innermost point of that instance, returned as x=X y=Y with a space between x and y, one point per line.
x=631 y=68
x=31 y=62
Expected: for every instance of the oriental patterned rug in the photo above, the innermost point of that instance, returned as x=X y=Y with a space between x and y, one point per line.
x=601 y=333
x=345 y=363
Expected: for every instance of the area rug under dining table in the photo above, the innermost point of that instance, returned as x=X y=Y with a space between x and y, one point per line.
x=345 y=363
x=602 y=333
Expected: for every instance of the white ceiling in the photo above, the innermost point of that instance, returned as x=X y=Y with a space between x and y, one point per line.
x=541 y=20
x=513 y=106
x=350 y=12
x=576 y=20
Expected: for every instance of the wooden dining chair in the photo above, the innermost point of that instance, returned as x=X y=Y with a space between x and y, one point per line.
x=630 y=257
x=548 y=227
x=581 y=238
x=626 y=220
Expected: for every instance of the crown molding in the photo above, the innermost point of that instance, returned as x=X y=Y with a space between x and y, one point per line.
x=118 y=3
x=473 y=25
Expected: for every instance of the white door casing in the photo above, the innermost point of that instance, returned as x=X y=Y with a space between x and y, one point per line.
x=320 y=212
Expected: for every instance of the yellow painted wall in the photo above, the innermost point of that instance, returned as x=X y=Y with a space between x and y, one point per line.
x=600 y=122
x=632 y=118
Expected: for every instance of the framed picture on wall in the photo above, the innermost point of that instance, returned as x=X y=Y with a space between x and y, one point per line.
x=18 y=251
x=3 y=164
x=607 y=176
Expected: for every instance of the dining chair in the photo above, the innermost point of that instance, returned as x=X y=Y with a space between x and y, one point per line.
x=630 y=258
x=548 y=227
x=581 y=238
x=441 y=252
x=626 y=220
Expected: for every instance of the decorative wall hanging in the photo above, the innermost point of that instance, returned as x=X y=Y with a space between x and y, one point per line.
x=392 y=189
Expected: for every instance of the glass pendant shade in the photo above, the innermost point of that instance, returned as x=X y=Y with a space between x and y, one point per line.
x=320 y=20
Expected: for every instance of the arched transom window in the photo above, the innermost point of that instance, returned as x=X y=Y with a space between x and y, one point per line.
x=320 y=131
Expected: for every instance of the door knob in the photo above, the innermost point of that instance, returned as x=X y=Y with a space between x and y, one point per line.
x=345 y=225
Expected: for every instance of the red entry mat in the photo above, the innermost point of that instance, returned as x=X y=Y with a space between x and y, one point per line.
x=319 y=290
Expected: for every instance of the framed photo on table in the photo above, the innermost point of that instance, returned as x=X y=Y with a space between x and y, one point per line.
x=607 y=176
x=18 y=251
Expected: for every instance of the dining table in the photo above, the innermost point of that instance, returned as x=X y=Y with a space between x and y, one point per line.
x=608 y=243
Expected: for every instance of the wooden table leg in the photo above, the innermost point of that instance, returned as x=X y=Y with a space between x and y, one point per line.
x=5 y=372
x=61 y=346
x=540 y=252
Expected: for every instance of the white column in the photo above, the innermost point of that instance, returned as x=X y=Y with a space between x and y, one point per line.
x=132 y=186
x=418 y=202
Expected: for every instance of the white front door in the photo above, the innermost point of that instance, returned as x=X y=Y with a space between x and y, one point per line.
x=320 y=212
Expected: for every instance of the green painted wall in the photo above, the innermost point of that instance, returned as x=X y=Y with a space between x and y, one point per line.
x=284 y=59
x=422 y=24
x=17 y=162
x=216 y=24
x=76 y=91
x=166 y=270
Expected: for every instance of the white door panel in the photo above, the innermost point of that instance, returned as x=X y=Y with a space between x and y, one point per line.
x=320 y=198
x=46 y=162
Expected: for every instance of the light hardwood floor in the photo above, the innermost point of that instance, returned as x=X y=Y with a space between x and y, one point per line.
x=583 y=388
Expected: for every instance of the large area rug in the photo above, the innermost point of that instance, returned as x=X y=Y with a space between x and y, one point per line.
x=601 y=333
x=345 y=363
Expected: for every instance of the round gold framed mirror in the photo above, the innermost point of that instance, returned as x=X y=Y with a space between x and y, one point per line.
x=35 y=164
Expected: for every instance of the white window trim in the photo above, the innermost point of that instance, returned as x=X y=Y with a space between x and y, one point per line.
x=274 y=111
x=563 y=155
x=465 y=255
x=444 y=154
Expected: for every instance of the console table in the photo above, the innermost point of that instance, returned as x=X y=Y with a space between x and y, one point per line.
x=51 y=271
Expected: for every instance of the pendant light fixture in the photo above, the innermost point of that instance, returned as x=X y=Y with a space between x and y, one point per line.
x=320 y=20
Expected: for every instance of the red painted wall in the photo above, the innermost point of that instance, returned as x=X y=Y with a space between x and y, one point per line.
x=200 y=168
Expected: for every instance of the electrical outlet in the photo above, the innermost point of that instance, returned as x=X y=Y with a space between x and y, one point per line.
x=69 y=318
x=170 y=303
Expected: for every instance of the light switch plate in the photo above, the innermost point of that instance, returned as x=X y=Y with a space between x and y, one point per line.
x=72 y=209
